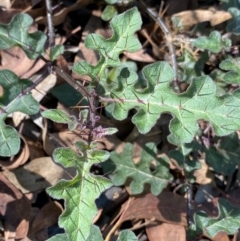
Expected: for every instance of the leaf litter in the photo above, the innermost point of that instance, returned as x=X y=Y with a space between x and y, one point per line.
x=39 y=176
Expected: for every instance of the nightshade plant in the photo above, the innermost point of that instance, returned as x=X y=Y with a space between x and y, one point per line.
x=198 y=102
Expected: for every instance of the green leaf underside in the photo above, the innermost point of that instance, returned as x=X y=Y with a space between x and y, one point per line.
x=16 y=34
x=80 y=192
x=55 y=51
x=124 y=26
x=198 y=102
x=140 y=173
x=214 y=42
x=233 y=66
x=61 y=116
x=228 y=220
x=12 y=87
x=125 y=235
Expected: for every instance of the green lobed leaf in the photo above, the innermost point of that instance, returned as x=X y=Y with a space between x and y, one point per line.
x=181 y=155
x=58 y=237
x=198 y=102
x=108 y=13
x=12 y=87
x=125 y=235
x=55 y=51
x=233 y=66
x=140 y=173
x=228 y=220
x=190 y=67
x=215 y=43
x=80 y=192
x=61 y=116
x=95 y=234
x=16 y=34
x=124 y=26
x=225 y=156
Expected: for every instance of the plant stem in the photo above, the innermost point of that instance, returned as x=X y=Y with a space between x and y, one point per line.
x=159 y=21
x=50 y=23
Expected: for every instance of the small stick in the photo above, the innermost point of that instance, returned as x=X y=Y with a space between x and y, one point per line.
x=50 y=23
x=168 y=37
x=73 y=83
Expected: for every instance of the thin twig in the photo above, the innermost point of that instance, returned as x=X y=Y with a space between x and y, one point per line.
x=76 y=85
x=189 y=202
x=50 y=23
x=159 y=21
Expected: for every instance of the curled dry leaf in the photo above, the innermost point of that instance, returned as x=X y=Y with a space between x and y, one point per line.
x=16 y=60
x=220 y=236
x=17 y=160
x=190 y=18
x=203 y=175
x=37 y=175
x=14 y=208
x=47 y=216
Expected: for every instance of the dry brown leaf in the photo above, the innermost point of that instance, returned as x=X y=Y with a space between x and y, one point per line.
x=41 y=90
x=41 y=235
x=60 y=16
x=166 y=232
x=35 y=149
x=15 y=59
x=21 y=4
x=190 y=18
x=38 y=64
x=47 y=216
x=19 y=159
x=220 y=236
x=14 y=208
x=6 y=16
x=141 y=56
x=37 y=175
x=203 y=175
x=166 y=207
